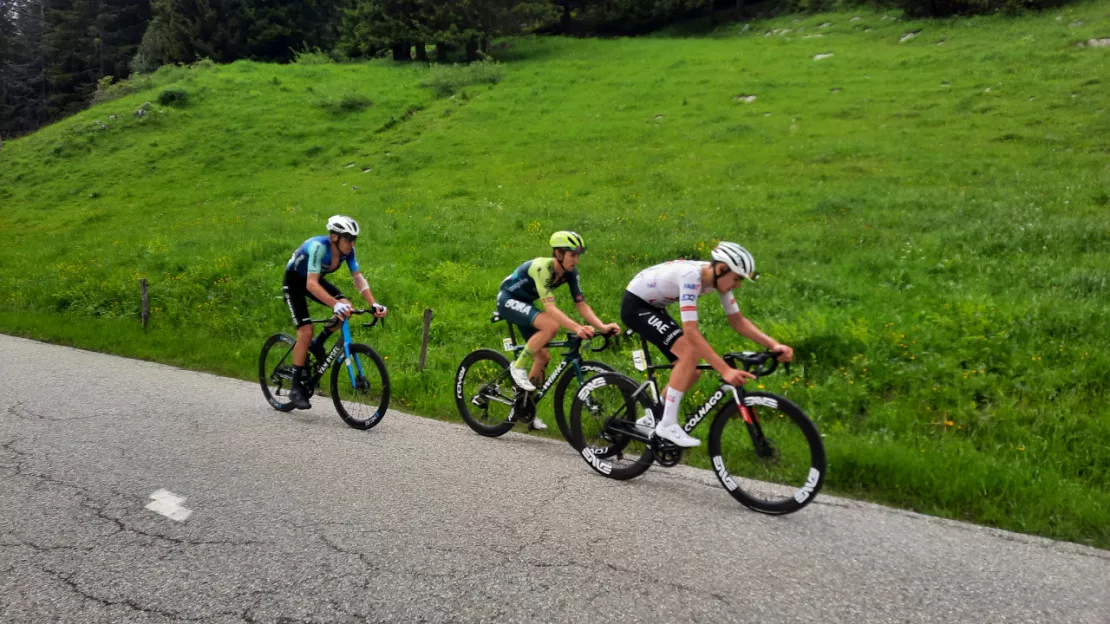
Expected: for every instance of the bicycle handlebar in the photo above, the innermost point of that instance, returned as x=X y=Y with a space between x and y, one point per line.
x=756 y=363
x=334 y=318
x=610 y=340
x=574 y=342
x=751 y=361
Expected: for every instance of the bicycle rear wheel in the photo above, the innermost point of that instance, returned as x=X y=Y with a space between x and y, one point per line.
x=484 y=392
x=768 y=454
x=603 y=427
x=361 y=404
x=275 y=370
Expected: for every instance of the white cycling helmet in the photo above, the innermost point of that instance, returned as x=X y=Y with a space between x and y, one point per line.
x=736 y=258
x=342 y=224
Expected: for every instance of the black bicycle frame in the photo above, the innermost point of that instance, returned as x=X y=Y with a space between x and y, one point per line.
x=571 y=357
x=693 y=419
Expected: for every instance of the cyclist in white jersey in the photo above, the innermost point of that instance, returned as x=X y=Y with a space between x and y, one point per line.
x=683 y=282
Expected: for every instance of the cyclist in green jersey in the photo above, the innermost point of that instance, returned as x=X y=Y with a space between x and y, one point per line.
x=535 y=280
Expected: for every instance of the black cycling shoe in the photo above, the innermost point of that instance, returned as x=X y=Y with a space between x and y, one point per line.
x=296 y=391
x=296 y=397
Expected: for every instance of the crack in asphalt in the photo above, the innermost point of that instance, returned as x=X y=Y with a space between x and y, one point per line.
x=538 y=511
x=129 y=603
x=23 y=413
x=99 y=507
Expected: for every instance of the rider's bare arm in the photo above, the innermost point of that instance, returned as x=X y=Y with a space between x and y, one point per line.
x=313 y=286
x=702 y=349
x=748 y=329
x=592 y=318
x=565 y=321
x=363 y=287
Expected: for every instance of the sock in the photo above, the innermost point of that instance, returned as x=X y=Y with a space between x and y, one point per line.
x=298 y=376
x=525 y=359
x=670 y=407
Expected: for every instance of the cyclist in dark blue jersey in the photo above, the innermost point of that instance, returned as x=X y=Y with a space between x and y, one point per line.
x=304 y=279
x=536 y=279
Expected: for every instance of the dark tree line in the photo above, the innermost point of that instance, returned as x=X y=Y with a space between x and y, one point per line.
x=53 y=53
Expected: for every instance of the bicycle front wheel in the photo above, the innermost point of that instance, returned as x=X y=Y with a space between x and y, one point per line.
x=768 y=454
x=484 y=392
x=589 y=368
x=361 y=404
x=603 y=426
x=275 y=370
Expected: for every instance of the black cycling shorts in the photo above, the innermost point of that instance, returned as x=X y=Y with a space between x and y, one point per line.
x=651 y=322
x=294 y=287
x=520 y=313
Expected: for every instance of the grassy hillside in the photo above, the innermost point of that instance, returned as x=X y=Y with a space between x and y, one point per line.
x=930 y=214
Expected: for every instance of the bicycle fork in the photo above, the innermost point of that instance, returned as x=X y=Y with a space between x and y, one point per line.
x=762 y=445
x=347 y=357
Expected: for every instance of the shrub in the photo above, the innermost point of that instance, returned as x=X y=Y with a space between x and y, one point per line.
x=311 y=57
x=174 y=97
x=346 y=103
x=445 y=80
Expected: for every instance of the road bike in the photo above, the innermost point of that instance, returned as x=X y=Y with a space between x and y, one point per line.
x=763 y=448
x=359 y=380
x=490 y=402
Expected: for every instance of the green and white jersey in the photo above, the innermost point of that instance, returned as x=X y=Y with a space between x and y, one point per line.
x=535 y=279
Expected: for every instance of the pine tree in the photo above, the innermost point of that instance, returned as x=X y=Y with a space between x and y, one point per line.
x=23 y=65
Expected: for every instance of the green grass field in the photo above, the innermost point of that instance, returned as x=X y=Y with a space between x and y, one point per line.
x=931 y=218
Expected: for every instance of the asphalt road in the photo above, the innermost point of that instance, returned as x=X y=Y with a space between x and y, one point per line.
x=298 y=518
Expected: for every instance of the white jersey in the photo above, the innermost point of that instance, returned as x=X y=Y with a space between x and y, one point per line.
x=677 y=281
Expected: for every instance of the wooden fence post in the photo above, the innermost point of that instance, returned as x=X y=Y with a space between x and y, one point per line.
x=145 y=316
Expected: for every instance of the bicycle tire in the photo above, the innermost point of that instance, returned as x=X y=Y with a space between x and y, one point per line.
x=279 y=373
x=775 y=464
x=364 y=405
x=589 y=368
x=490 y=382
x=600 y=412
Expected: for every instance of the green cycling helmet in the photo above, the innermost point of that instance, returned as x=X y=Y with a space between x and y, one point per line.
x=569 y=241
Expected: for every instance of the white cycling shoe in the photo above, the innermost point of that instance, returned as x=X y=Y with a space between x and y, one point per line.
x=646 y=422
x=537 y=424
x=520 y=378
x=675 y=434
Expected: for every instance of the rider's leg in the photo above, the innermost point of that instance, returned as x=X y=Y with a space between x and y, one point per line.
x=546 y=327
x=539 y=364
x=293 y=289
x=684 y=375
x=297 y=394
x=317 y=346
x=300 y=350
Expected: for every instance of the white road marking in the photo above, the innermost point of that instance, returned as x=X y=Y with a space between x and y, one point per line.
x=169 y=505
